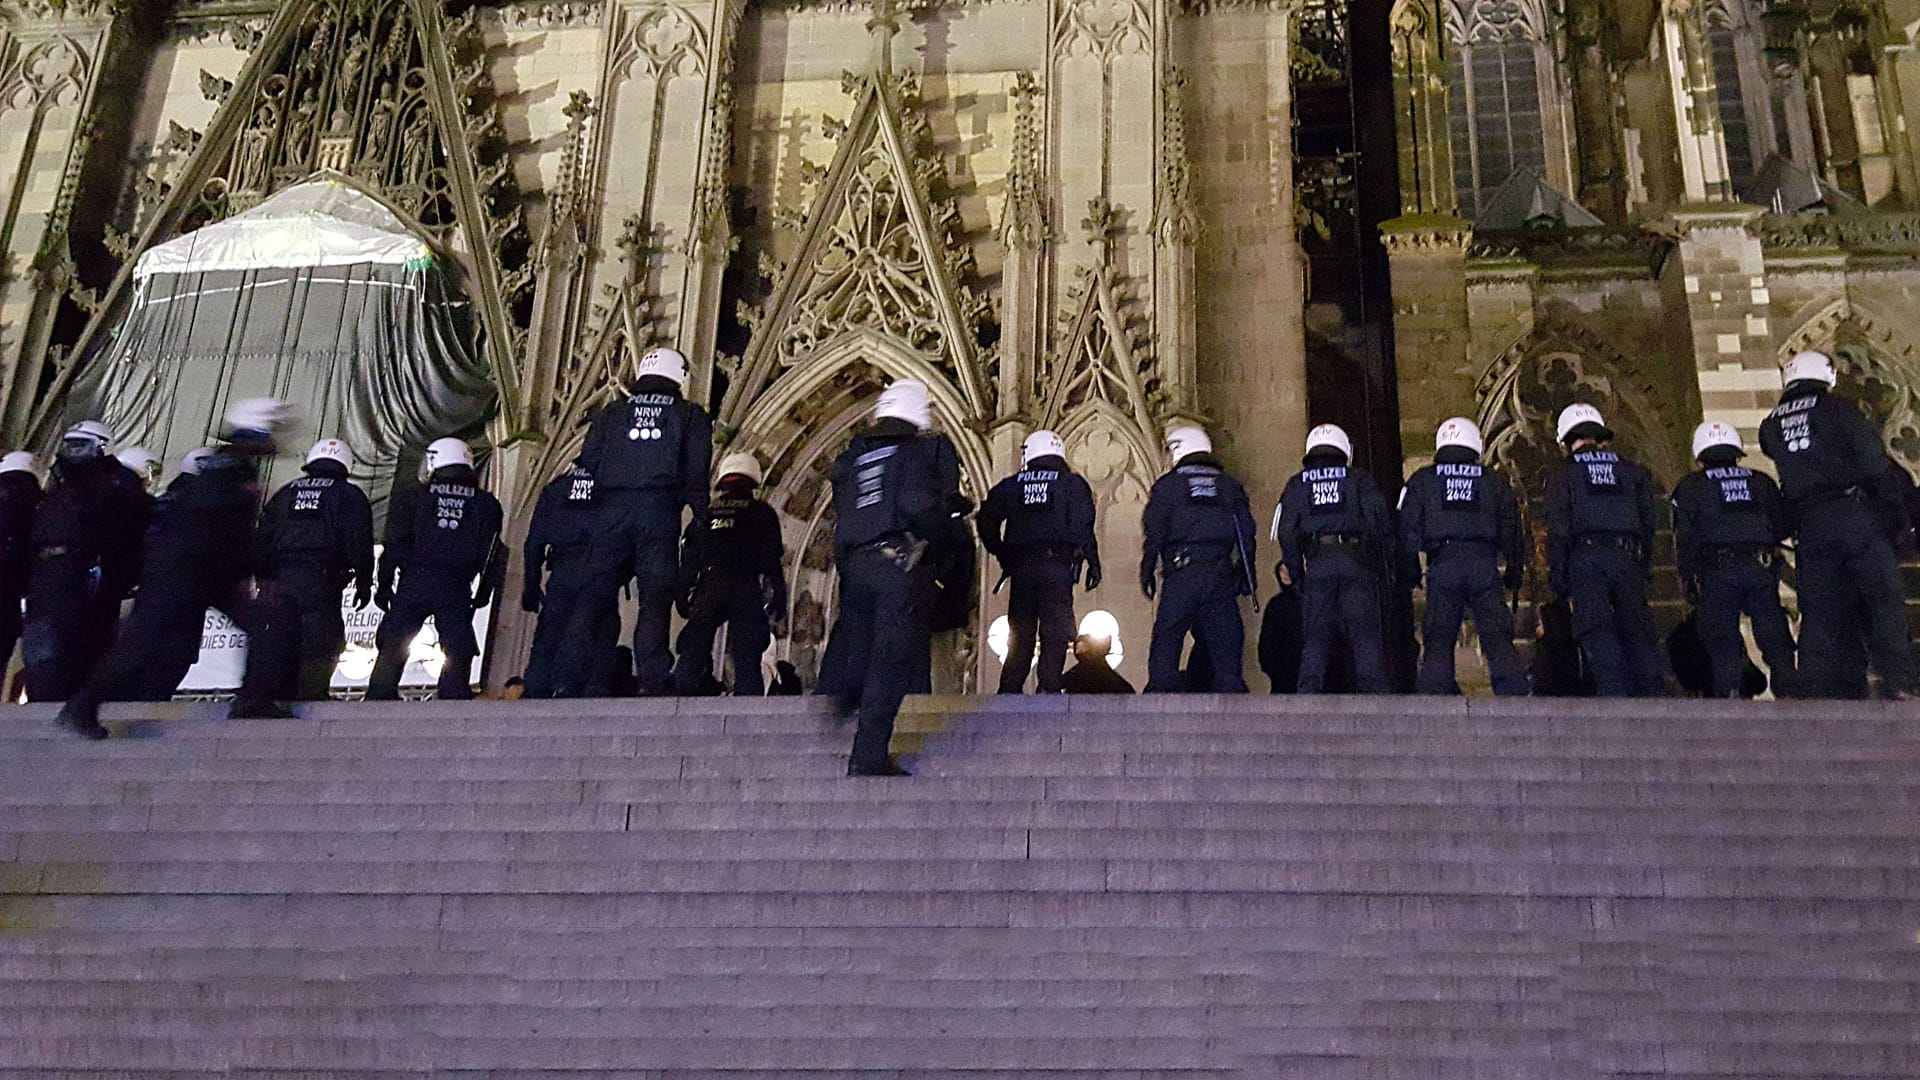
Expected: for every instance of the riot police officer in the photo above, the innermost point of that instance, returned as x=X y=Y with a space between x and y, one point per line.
x=86 y=550
x=890 y=494
x=1465 y=517
x=439 y=538
x=1728 y=525
x=1199 y=539
x=19 y=498
x=200 y=553
x=1038 y=524
x=1846 y=509
x=650 y=454
x=1336 y=538
x=144 y=464
x=1599 y=510
x=731 y=568
x=316 y=538
x=573 y=643
x=191 y=463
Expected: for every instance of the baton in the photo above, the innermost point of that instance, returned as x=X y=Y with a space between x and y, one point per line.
x=1246 y=562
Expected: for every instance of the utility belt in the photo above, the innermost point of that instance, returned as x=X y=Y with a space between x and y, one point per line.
x=1727 y=554
x=1827 y=496
x=1200 y=556
x=904 y=550
x=1610 y=542
x=1328 y=543
x=1452 y=549
x=1062 y=552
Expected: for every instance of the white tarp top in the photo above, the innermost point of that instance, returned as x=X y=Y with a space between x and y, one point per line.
x=323 y=222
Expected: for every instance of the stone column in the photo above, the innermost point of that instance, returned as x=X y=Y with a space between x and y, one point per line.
x=1703 y=146
x=1723 y=277
x=1428 y=257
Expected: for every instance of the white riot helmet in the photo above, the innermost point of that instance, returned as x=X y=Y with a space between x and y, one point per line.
x=331 y=450
x=20 y=461
x=194 y=460
x=144 y=463
x=1041 y=444
x=1330 y=437
x=742 y=464
x=88 y=438
x=269 y=417
x=1810 y=366
x=1185 y=440
x=906 y=400
x=664 y=362
x=1715 y=433
x=1579 y=415
x=444 y=453
x=1460 y=431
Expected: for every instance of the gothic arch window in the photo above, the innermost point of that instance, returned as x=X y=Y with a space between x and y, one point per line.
x=1503 y=98
x=1752 y=110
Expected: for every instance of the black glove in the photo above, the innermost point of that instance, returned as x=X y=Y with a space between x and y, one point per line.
x=1093 y=574
x=1149 y=584
x=774 y=592
x=383 y=597
x=1514 y=578
x=532 y=599
x=480 y=599
x=362 y=596
x=683 y=603
x=1280 y=576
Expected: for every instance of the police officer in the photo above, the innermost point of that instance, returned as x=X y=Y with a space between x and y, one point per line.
x=573 y=643
x=86 y=549
x=19 y=498
x=731 y=567
x=1846 y=508
x=200 y=553
x=1728 y=525
x=142 y=463
x=1038 y=524
x=1599 y=510
x=439 y=538
x=316 y=538
x=190 y=464
x=1465 y=517
x=890 y=494
x=1199 y=537
x=1336 y=537
x=650 y=454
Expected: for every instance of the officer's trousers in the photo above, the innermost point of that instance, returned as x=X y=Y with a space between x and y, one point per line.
x=68 y=626
x=1203 y=600
x=1850 y=594
x=1733 y=587
x=302 y=632
x=1039 y=598
x=880 y=617
x=733 y=601
x=445 y=598
x=637 y=539
x=11 y=598
x=1459 y=582
x=573 y=643
x=1608 y=587
x=1340 y=598
x=161 y=640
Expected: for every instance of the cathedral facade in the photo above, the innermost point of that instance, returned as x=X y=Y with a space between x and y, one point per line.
x=1096 y=216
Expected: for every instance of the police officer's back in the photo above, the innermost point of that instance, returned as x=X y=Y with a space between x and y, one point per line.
x=1038 y=524
x=19 y=497
x=731 y=566
x=1599 y=509
x=1845 y=508
x=890 y=494
x=316 y=538
x=1336 y=540
x=439 y=538
x=86 y=539
x=1196 y=557
x=1464 y=517
x=574 y=641
x=651 y=455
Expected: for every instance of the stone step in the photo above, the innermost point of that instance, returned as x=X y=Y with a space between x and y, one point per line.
x=1201 y=842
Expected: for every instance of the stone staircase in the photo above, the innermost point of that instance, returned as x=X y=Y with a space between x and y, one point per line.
x=1337 y=889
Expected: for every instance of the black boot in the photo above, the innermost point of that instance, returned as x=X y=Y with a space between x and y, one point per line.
x=886 y=767
x=83 y=720
x=258 y=710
